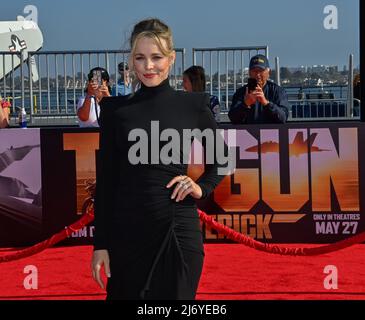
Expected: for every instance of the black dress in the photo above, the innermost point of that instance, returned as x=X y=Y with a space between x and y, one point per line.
x=155 y=244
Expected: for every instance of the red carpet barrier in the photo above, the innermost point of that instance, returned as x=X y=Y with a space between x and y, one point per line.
x=208 y=220
x=269 y=248
x=27 y=252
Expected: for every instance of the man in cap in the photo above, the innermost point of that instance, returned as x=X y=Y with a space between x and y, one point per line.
x=261 y=100
x=124 y=84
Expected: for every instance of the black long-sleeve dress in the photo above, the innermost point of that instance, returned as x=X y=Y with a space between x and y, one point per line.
x=155 y=244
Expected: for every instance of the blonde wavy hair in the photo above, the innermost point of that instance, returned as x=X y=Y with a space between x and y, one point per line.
x=156 y=30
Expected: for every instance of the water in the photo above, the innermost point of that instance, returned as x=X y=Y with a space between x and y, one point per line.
x=338 y=91
x=59 y=104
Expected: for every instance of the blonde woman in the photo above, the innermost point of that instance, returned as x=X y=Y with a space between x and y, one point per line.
x=147 y=230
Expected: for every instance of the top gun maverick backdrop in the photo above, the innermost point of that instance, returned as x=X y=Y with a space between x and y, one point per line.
x=292 y=183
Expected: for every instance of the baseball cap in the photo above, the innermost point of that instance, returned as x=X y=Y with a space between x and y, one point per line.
x=259 y=61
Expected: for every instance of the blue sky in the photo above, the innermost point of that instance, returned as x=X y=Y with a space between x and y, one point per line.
x=293 y=29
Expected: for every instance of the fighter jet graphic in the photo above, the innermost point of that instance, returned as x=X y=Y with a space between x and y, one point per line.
x=17 y=45
x=14 y=154
x=13 y=187
x=298 y=147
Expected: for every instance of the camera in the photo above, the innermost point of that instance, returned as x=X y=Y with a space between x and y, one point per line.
x=251 y=84
x=97 y=77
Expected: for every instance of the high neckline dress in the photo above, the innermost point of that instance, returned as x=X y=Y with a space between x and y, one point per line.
x=155 y=244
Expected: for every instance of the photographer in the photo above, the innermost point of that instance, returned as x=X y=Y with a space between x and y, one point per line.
x=261 y=100
x=88 y=108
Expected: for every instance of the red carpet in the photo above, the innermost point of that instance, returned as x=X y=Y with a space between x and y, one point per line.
x=231 y=271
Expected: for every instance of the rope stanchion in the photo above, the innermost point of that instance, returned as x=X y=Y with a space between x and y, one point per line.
x=275 y=249
x=208 y=220
x=27 y=252
x=87 y=217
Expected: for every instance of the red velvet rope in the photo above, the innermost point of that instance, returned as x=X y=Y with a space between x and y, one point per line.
x=247 y=241
x=210 y=222
x=85 y=219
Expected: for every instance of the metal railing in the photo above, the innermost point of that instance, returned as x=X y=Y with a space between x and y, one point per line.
x=349 y=108
x=52 y=92
x=317 y=110
x=233 y=61
x=322 y=109
x=50 y=96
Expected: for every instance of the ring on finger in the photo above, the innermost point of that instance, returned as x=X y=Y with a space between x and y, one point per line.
x=182 y=182
x=186 y=186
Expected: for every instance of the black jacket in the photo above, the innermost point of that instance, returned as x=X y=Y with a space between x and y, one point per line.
x=275 y=112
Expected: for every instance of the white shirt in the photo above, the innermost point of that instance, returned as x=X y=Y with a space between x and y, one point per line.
x=93 y=121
